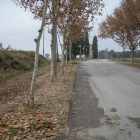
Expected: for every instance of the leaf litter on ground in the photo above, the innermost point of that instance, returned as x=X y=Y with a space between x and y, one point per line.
x=49 y=118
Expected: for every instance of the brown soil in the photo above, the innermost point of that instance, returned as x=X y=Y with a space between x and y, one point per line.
x=49 y=118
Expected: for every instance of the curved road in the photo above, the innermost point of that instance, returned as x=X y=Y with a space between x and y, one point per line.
x=106 y=102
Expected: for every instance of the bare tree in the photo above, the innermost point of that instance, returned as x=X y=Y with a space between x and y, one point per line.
x=37 y=40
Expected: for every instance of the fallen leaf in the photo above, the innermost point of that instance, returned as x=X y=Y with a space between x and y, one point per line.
x=25 y=123
x=9 y=110
x=30 y=138
x=108 y=118
x=55 y=128
x=80 y=128
x=15 y=137
x=17 y=127
x=39 y=115
x=49 y=134
x=90 y=96
x=49 y=130
x=75 y=129
x=115 y=117
x=19 y=132
x=74 y=112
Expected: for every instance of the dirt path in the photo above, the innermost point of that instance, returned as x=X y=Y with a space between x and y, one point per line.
x=49 y=118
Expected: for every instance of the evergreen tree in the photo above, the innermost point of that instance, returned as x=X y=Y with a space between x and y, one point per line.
x=87 y=43
x=83 y=42
x=75 y=48
x=95 y=47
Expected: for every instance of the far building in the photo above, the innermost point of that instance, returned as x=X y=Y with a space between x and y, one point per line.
x=90 y=52
x=83 y=56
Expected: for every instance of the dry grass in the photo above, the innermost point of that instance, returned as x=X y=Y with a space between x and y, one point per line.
x=127 y=61
x=11 y=60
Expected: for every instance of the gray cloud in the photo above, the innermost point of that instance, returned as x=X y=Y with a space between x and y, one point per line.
x=19 y=29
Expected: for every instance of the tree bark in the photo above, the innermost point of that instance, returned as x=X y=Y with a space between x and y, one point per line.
x=37 y=40
x=66 y=52
x=132 y=57
x=123 y=53
x=52 y=55
x=53 y=46
x=70 y=52
x=43 y=40
x=63 y=49
x=55 y=52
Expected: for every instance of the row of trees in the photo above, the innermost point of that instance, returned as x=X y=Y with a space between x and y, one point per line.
x=106 y=54
x=68 y=18
x=84 y=43
x=85 y=47
x=123 y=26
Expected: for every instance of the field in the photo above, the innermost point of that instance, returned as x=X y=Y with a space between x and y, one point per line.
x=127 y=61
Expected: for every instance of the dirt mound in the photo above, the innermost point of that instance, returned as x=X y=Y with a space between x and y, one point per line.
x=11 y=60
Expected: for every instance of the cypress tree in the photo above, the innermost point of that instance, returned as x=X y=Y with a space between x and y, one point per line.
x=95 y=47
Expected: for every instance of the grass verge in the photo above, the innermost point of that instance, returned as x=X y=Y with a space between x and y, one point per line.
x=5 y=75
x=9 y=74
x=126 y=62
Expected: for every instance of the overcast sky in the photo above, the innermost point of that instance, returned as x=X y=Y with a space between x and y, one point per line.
x=19 y=29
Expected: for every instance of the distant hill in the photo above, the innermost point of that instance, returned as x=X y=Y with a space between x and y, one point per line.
x=11 y=60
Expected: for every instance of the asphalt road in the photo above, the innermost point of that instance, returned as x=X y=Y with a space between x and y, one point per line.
x=106 y=102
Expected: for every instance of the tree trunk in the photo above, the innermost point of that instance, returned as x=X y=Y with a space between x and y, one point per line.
x=57 y=53
x=53 y=46
x=70 y=52
x=52 y=55
x=123 y=53
x=43 y=40
x=132 y=57
x=66 y=52
x=37 y=40
x=63 y=49
x=55 y=56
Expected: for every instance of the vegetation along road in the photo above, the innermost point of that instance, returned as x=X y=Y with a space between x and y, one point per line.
x=105 y=103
